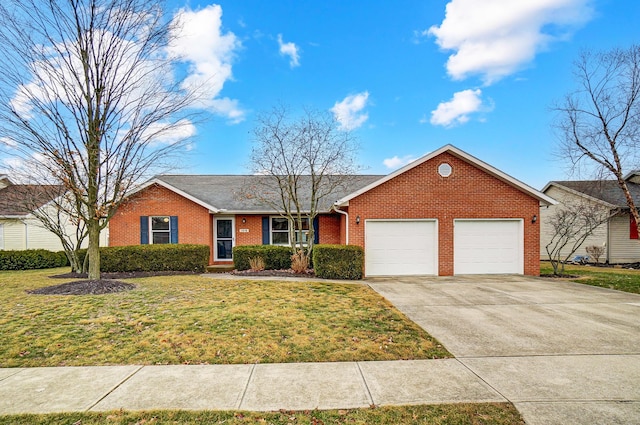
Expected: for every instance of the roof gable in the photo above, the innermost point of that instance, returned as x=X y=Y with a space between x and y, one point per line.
x=544 y=199
x=604 y=191
x=19 y=200
x=229 y=193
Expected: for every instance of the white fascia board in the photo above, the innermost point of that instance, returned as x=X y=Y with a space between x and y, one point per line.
x=578 y=193
x=160 y=182
x=463 y=155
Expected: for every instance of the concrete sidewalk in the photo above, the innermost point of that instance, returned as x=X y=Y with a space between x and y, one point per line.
x=259 y=387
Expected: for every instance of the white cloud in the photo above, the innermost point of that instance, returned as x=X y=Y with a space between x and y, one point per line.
x=397 y=162
x=457 y=110
x=168 y=133
x=209 y=52
x=289 y=49
x=495 y=38
x=349 y=113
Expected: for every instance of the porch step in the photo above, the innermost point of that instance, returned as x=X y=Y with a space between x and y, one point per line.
x=219 y=268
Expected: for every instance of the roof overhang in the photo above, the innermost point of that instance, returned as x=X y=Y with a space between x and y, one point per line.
x=580 y=194
x=542 y=198
x=160 y=182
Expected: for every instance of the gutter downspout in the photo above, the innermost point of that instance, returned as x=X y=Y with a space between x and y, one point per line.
x=346 y=220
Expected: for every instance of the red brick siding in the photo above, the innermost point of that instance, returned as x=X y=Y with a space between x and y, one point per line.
x=468 y=192
x=194 y=221
x=254 y=225
x=329 y=229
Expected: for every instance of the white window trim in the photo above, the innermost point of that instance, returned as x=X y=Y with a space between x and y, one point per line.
x=288 y=231
x=151 y=231
x=215 y=237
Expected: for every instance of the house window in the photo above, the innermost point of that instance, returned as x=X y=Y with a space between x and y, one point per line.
x=280 y=231
x=160 y=230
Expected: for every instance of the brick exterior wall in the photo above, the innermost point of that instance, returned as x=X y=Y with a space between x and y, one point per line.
x=468 y=192
x=194 y=221
x=195 y=224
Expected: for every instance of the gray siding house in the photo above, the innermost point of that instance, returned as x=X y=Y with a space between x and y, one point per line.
x=618 y=235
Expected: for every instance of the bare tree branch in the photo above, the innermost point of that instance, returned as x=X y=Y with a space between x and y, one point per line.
x=88 y=100
x=304 y=160
x=599 y=123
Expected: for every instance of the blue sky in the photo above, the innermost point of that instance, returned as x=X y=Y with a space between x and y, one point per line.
x=513 y=61
x=406 y=77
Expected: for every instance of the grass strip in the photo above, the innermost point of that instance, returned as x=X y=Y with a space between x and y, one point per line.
x=444 y=414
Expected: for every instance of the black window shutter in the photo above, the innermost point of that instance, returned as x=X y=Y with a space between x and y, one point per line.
x=265 y=230
x=144 y=230
x=173 y=223
x=316 y=230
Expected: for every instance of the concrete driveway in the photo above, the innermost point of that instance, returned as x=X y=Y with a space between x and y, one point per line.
x=562 y=352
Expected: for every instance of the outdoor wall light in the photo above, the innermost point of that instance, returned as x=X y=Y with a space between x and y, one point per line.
x=534 y=218
x=244 y=220
x=357 y=219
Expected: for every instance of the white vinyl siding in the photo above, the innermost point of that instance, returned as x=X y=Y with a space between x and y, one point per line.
x=1 y=236
x=488 y=247
x=29 y=234
x=599 y=236
x=622 y=249
x=401 y=247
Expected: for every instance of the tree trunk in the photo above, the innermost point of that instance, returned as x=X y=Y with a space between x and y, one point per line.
x=93 y=250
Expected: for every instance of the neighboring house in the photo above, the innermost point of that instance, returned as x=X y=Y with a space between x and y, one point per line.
x=19 y=229
x=445 y=213
x=619 y=235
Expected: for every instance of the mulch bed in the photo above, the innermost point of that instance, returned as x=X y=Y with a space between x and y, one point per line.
x=85 y=287
x=120 y=275
x=108 y=283
x=560 y=276
x=278 y=273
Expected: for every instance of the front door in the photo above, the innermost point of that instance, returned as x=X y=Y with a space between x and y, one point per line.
x=223 y=232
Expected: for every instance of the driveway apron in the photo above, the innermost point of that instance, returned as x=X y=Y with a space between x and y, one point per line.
x=562 y=352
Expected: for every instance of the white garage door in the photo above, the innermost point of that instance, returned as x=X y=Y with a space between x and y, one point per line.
x=400 y=247
x=488 y=247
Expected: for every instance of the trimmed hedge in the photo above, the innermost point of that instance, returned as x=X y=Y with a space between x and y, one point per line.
x=338 y=261
x=151 y=258
x=275 y=257
x=32 y=259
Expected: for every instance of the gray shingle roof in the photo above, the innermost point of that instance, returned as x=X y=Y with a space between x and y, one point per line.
x=604 y=190
x=229 y=192
x=19 y=200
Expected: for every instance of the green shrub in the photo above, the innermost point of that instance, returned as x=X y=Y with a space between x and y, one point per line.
x=338 y=261
x=32 y=259
x=146 y=258
x=276 y=257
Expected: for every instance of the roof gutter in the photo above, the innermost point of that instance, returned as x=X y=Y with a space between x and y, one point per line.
x=346 y=220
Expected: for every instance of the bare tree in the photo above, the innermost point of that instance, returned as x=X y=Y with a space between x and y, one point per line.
x=304 y=160
x=599 y=123
x=88 y=100
x=571 y=224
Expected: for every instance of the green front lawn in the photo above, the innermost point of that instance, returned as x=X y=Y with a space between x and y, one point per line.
x=449 y=414
x=195 y=320
x=605 y=277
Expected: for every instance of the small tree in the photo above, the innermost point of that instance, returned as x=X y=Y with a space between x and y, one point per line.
x=599 y=123
x=571 y=225
x=304 y=160
x=596 y=251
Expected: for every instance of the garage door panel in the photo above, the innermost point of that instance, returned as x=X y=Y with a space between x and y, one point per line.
x=400 y=248
x=488 y=247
